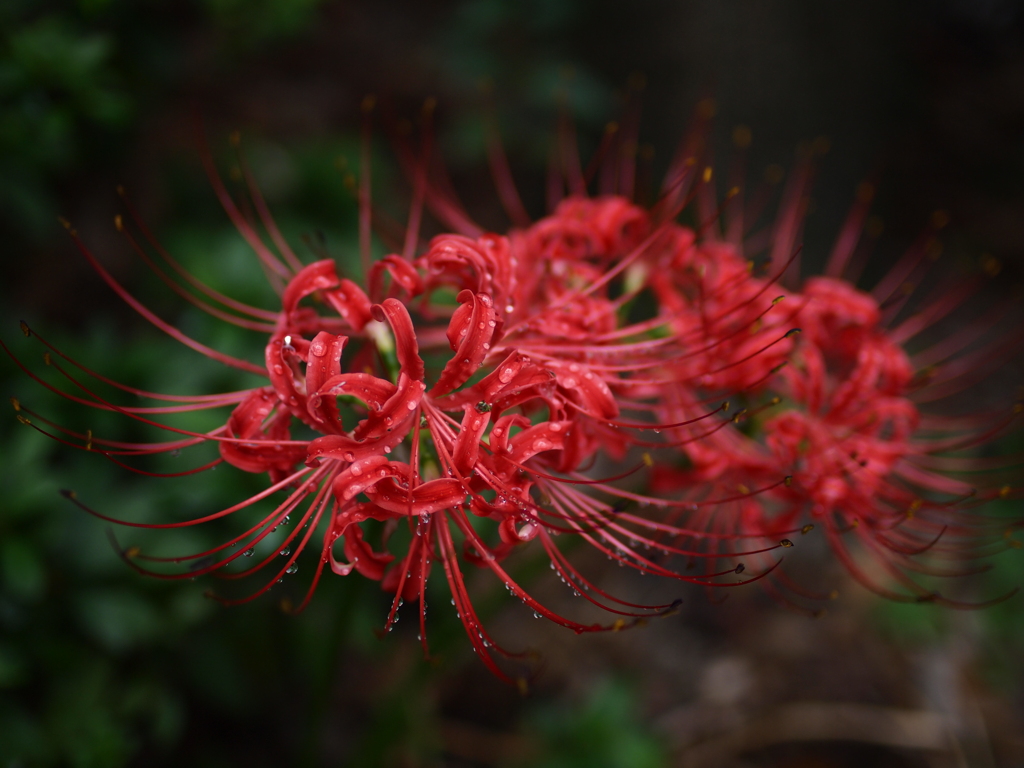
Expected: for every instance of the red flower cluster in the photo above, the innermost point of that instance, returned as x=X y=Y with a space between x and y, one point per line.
x=468 y=400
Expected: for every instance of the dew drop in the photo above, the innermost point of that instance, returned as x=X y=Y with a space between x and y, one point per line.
x=285 y=552
x=292 y=568
x=249 y=552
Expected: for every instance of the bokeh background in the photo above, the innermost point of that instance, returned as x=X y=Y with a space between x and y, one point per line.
x=101 y=667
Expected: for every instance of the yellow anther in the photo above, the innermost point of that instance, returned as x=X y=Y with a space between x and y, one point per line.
x=865 y=192
x=990 y=265
x=707 y=174
x=1003 y=492
x=88 y=440
x=785 y=543
x=637 y=80
x=742 y=136
x=23 y=419
x=16 y=403
x=25 y=329
x=648 y=461
x=807 y=529
x=742 y=488
x=118 y=223
x=619 y=625
x=47 y=359
x=774 y=173
x=833 y=595
x=132 y=552
x=777 y=299
x=788 y=481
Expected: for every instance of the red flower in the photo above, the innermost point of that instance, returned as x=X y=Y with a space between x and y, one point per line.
x=462 y=401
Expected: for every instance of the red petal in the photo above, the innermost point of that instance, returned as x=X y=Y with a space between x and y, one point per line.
x=470 y=332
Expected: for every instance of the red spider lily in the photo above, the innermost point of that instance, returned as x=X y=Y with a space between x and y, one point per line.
x=861 y=426
x=493 y=378
x=532 y=375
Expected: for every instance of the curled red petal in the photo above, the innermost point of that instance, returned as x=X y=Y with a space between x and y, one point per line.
x=318 y=276
x=470 y=333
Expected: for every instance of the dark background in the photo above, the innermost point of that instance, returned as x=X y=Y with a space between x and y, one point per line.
x=99 y=667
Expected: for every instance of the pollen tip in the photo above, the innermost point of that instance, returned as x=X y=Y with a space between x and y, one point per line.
x=47 y=359
x=780 y=366
x=24 y=328
x=118 y=223
x=132 y=552
x=732 y=192
x=706 y=108
x=708 y=173
x=807 y=529
x=23 y=420
x=742 y=136
x=725 y=406
x=788 y=481
x=793 y=332
x=1003 y=492
x=16 y=403
x=619 y=625
x=940 y=219
x=785 y=543
x=648 y=461
x=990 y=265
x=777 y=299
